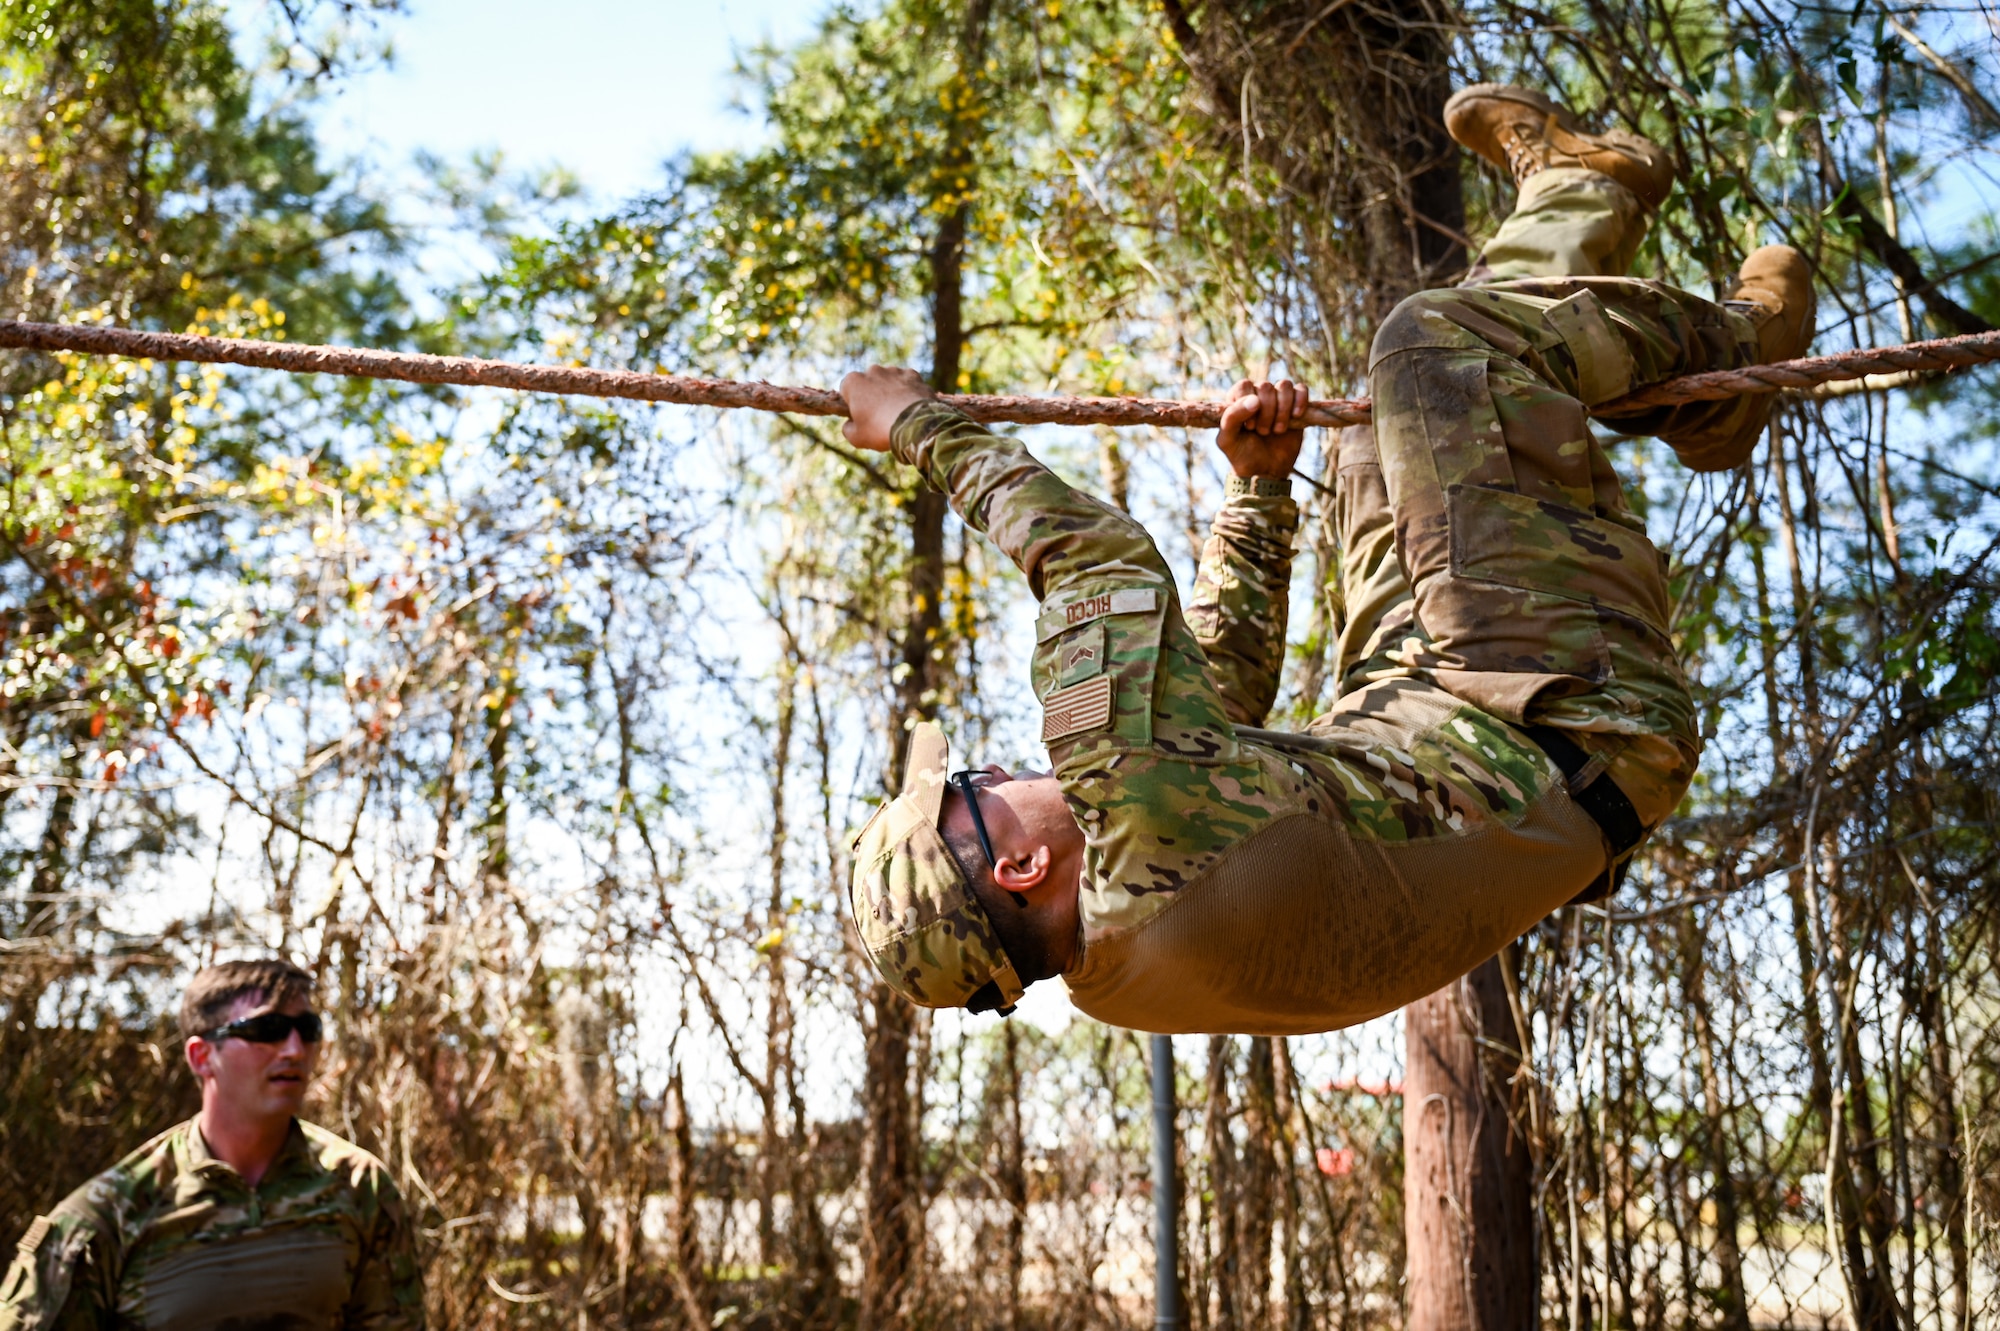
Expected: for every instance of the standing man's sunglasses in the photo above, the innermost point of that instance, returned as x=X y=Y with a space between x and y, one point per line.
x=270 y=1028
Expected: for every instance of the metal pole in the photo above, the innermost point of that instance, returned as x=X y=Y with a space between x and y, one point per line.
x=1167 y=1315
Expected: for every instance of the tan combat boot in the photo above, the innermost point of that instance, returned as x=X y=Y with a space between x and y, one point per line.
x=1774 y=291
x=1526 y=132
x=1774 y=287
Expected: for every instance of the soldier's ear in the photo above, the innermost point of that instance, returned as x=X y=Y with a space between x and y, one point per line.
x=1024 y=873
x=197 y=1051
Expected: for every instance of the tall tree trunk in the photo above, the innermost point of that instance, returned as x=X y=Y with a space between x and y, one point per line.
x=1297 y=1310
x=1225 y=1258
x=1013 y=1171
x=1113 y=470
x=777 y=1000
x=1468 y=1180
x=496 y=859
x=1359 y=92
x=684 y=1255
x=811 y=1248
x=889 y=1161
x=893 y=1234
x=447 y=815
x=1932 y=1015
x=1861 y=1142
x=1719 y=1115
x=1259 y=1191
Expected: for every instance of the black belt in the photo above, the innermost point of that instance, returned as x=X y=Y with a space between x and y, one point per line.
x=1602 y=800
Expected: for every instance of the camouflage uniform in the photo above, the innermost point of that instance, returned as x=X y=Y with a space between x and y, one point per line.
x=171 y=1237
x=1567 y=222
x=1538 y=596
x=1242 y=880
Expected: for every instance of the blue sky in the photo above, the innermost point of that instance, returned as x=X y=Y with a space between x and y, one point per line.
x=606 y=88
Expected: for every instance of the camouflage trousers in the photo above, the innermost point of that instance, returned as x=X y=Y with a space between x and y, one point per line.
x=1567 y=222
x=1488 y=548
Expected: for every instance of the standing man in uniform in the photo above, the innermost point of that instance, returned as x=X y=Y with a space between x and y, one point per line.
x=243 y=1217
x=1513 y=720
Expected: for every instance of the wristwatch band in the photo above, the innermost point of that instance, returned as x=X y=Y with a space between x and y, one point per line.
x=1265 y=487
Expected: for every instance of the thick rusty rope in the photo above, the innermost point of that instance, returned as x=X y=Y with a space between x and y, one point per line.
x=417 y=368
x=1945 y=353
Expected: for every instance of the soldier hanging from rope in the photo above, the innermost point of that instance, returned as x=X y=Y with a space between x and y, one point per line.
x=1513 y=720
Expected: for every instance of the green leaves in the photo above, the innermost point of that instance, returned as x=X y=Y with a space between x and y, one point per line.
x=148 y=179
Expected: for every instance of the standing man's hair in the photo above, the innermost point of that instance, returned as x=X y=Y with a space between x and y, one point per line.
x=216 y=989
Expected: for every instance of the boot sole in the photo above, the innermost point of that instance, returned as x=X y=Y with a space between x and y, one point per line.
x=1475 y=137
x=1645 y=169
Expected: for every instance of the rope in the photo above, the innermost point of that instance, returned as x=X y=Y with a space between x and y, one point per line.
x=1945 y=353
x=417 y=368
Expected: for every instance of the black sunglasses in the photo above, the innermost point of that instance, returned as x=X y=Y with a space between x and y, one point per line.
x=271 y=1028
x=987 y=997
x=962 y=781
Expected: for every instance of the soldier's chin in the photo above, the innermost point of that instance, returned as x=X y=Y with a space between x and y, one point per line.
x=288 y=1091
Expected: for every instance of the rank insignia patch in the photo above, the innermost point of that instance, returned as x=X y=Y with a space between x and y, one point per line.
x=1081 y=655
x=1085 y=706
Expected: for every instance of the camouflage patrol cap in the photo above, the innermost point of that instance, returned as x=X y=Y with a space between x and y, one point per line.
x=917 y=915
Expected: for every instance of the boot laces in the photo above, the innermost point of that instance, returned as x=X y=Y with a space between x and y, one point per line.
x=1523 y=157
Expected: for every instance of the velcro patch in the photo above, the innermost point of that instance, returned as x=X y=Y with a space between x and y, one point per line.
x=1081 y=655
x=1604 y=366
x=1086 y=706
x=1082 y=609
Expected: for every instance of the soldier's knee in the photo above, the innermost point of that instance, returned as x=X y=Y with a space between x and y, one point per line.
x=1427 y=319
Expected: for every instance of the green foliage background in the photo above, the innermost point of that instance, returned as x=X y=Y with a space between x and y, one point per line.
x=538 y=727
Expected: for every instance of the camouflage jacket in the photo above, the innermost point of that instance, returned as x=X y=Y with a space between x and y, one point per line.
x=1240 y=880
x=172 y=1237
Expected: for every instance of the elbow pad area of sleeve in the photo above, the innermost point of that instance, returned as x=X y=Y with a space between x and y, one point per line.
x=37 y=1285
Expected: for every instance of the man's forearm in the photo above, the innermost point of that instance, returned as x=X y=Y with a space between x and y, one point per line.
x=1054 y=533
x=1057 y=534
x=1242 y=595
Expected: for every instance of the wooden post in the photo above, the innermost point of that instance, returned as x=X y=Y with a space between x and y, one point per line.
x=1468 y=1202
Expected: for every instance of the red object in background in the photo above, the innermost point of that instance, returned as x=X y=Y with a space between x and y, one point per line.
x=1334 y=1163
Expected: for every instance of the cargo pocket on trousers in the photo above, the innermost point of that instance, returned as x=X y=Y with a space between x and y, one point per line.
x=1541 y=579
x=1499 y=536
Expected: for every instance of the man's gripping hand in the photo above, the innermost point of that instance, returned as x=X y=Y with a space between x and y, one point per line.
x=1258 y=436
x=875 y=397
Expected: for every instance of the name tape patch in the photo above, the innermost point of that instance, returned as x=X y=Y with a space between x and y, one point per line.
x=1124 y=601
x=1087 y=706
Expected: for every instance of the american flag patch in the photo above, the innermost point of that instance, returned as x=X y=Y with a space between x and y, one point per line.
x=1087 y=706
